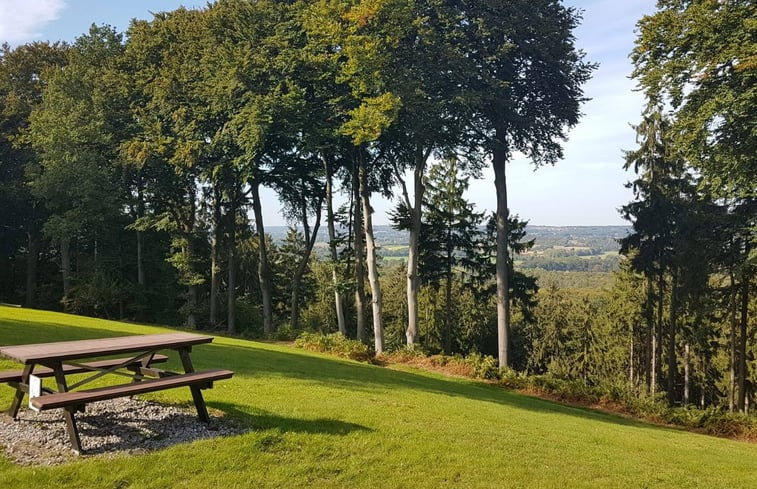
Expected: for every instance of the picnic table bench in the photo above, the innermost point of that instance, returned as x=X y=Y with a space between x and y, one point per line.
x=63 y=358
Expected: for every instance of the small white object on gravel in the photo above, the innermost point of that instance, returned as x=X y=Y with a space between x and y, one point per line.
x=108 y=427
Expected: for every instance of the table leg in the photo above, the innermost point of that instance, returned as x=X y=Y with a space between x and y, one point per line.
x=19 y=397
x=68 y=413
x=202 y=411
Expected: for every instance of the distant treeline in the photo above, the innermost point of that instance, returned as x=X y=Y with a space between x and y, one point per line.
x=604 y=263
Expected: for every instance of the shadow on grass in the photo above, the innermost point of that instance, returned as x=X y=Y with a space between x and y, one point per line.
x=258 y=362
x=19 y=332
x=257 y=419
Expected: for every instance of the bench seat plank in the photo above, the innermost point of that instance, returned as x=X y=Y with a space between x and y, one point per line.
x=39 y=371
x=64 y=399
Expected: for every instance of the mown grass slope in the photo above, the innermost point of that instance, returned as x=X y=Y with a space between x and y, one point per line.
x=324 y=422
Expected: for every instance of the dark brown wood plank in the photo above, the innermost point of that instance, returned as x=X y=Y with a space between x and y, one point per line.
x=15 y=375
x=64 y=399
x=68 y=350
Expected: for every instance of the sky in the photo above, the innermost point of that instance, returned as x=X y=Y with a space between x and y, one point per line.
x=586 y=188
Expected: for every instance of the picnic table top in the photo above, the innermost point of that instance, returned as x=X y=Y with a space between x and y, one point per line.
x=68 y=350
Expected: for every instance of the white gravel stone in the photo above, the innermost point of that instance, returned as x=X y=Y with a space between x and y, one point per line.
x=108 y=427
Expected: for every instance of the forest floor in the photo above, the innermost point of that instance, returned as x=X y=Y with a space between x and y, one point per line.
x=319 y=421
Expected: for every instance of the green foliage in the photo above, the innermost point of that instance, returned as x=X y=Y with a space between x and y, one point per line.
x=700 y=57
x=484 y=366
x=249 y=317
x=335 y=344
x=99 y=295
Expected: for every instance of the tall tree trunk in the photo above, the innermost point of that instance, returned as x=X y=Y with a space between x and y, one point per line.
x=65 y=267
x=372 y=265
x=231 y=322
x=359 y=259
x=649 y=338
x=140 y=240
x=686 y=373
x=413 y=279
x=631 y=363
x=657 y=340
x=734 y=324
x=338 y=300
x=32 y=257
x=703 y=391
x=499 y=160
x=448 y=300
x=192 y=293
x=742 y=406
x=672 y=362
x=140 y=259
x=310 y=239
x=264 y=271
x=215 y=257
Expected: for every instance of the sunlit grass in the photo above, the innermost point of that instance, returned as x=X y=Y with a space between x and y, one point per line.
x=324 y=422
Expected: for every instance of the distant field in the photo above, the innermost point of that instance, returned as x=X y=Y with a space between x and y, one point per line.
x=318 y=421
x=571 y=280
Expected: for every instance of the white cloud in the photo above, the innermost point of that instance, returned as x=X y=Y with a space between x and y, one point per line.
x=22 y=21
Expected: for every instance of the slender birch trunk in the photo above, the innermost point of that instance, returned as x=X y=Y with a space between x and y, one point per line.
x=372 y=265
x=413 y=279
x=338 y=300
x=359 y=259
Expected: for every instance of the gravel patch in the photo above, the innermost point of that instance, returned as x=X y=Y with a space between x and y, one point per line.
x=107 y=428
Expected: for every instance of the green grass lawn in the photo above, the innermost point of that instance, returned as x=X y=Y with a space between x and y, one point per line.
x=319 y=421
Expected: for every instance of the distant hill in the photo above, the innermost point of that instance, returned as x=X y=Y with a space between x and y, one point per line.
x=556 y=248
x=602 y=237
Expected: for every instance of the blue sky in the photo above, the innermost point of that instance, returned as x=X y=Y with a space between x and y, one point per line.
x=586 y=188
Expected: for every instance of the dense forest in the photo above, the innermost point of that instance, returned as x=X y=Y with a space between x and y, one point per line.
x=131 y=166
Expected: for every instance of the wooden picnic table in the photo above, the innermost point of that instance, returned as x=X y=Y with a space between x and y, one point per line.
x=63 y=358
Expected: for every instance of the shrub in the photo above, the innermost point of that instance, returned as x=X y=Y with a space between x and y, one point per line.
x=406 y=354
x=484 y=366
x=285 y=333
x=335 y=344
x=249 y=317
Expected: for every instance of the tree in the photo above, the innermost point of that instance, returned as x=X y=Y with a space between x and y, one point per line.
x=699 y=58
x=523 y=80
x=22 y=77
x=363 y=36
x=75 y=130
x=450 y=235
x=423 y=73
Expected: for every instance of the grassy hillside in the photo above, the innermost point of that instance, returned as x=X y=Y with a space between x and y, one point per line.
x=324 y=422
